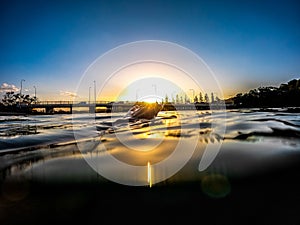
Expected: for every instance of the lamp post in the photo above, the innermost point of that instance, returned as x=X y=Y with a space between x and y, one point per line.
x=34 y=94
x=95 y=91
x=21 y=86
x=89 y=95
x=193 y=93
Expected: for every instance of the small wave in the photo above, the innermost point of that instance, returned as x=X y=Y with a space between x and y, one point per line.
x=34 y=140
x=178 y=134
x=56 y=126
x=208 y=136
x=112 y=126
x=5 y=120
x=277 y=120
x=19 y=130
x=93 y=117
x=280 y=133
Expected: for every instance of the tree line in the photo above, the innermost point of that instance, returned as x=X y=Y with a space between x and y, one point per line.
x=197 y=98
x=286 y=95
x=12 y=99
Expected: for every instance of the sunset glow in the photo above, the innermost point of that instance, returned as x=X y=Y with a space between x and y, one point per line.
x=144 y=79
x=149 y=177
x=162 y=69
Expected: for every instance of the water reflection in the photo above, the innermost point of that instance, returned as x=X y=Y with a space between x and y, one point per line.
x=18 y=130
x=149 y=174
x=252 y=141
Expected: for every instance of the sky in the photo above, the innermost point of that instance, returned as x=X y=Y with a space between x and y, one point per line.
x=51 y=44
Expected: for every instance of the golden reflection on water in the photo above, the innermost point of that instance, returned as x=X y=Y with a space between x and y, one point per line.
x=140 y=158
x=149 y=174
x=156 y=141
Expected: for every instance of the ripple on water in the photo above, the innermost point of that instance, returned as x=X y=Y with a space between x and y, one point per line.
x=257 y=129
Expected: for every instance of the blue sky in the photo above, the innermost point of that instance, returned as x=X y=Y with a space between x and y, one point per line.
x=51 y=43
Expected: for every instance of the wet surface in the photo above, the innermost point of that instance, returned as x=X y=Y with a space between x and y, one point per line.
x=46 y=178
x=46 y=137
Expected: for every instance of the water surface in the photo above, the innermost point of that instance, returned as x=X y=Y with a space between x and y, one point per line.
x=44 y=147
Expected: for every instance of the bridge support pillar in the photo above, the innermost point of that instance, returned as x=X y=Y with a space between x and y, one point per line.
x=92 y=109
x=49 y=109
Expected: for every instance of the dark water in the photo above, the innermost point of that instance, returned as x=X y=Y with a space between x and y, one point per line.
x=257 y=163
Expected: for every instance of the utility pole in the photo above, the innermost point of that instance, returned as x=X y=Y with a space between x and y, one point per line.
x=21 y=86
x=34 y=94
x=89 y=95
x=95 y=91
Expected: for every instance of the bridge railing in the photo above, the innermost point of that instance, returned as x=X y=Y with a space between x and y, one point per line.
x=69 y=102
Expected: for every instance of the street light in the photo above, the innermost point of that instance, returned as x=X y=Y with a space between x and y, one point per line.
x=21 y=86
x=89 y=95
x=34 y=94
x=95 y=91
x=193 y=93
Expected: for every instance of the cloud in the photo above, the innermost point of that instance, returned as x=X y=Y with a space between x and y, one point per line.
x=5 y=87
x=68 y=94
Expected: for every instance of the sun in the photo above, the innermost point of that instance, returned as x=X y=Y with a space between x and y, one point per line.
x=137 y=80
x=149 y=89
x=151 y=99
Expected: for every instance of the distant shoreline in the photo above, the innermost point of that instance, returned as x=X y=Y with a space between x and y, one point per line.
x=258 y=109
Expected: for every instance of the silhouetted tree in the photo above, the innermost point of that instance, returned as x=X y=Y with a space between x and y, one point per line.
x=177 y=98
x=206 y=98
x=200 y=97
x=14 y=99
x=166 y=99
x=196 y=99
x=186 y=99
x=286 y=95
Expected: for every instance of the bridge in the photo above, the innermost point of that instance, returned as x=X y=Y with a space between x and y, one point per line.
x=50 y=107
x=68 y=106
